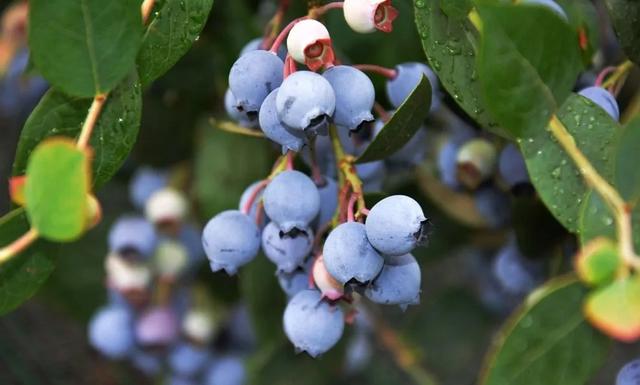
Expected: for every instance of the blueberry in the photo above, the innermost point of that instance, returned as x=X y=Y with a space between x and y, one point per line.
x=253 y=76
x=354 y=96
x=372 y=175
x=146 y=362
x=494 y=206
x=328 y=201
x=516 y=274
x=180 y=380
x=242 y=336
x=305 y=103
x=124 y=274
x=256 y=44
x=273 y=128
x=398 y=282
x=294 y=282
x=311 y=324
x=287 y=251
x=144 y=183
x=629 y=374
x=448 y=165
x=230 y=239
x=198 y=325
x=167 y=205
x=170 y=259
x=132 y=234
x=512 y=166
x=604 y=99
x=349 y=255
x=407 y=79
x=477 y=161
x=291 y=200
x=226 y=370
x=550 y=4
x=111 y=331
x=358 y=353
x=157 y=327
x=396 y=225
x=329 y=287
x=191 y=238
x=187 y=360
x=241 y=117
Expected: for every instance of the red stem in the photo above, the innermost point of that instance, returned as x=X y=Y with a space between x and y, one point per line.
x=290 y=156
x=319 y=11
x=283 y=34
x=342 y=202
x=350 y=207
x=254 y=194
x=389 y=73
x=603 y=74
x=382 y=113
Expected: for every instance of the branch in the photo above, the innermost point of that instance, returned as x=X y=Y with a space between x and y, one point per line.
x=621 y=210
x=18 y=246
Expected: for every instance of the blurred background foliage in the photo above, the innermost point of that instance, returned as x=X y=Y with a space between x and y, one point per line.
x=44 y=342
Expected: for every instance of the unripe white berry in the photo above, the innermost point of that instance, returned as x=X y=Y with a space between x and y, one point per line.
x=199 y=325
x=309 y=43
x=170 y=259
x=167 y=204
x=123 y=275
x=329 y=286
x=365 y=16
x=477 y=160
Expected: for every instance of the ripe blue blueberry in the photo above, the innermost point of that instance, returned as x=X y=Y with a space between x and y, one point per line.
x=604 y=99
x=311 y=324
x=111 y=331
x=398 y=282
x=328 y=200
x=349 y=255
x=132 y=234
x=629 y=374
x=291 y=200
x=242 y=336
x=144 y=183
x=372 y=175
x=146 y=362
x=396 y=225
x=512 y=166
x=516 y=274
x=288 y=251
x=550 y=4
x=355 y=96
x=358 y=352
x=188 y=360
x=273 y=128
x=407 y=78
x=241 y=117
x=230 y=239
x=191 y=238
x=305 y=103
x=253 y=76
x=294 y=282
x=493 y=205
x=226 y=370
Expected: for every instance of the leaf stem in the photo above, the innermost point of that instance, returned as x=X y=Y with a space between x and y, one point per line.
x=18 y=246
x=621 y=210
x=388 y=73
x=347 y=174
x=316 y=12
x=91 y=120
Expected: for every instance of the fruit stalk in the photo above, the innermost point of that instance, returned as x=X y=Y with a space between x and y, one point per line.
x=18 y=246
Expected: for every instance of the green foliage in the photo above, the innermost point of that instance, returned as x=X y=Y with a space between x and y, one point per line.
x=174 y=26
x=598 y=262
x=22 y=276
x=625 y=16
x=616 y=308
x=402 y=126
x=539 y=344
x=57 y=188
x=523 y=80
x=84 y=47
x=114 y=135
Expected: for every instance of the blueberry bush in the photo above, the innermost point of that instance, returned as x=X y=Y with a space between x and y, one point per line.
x=312 y=192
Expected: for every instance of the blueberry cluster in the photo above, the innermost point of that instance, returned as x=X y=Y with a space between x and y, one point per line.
x=328 y=248
x=158 y=318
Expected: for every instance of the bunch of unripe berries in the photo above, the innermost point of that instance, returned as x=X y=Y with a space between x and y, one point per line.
x=328 y=248
x=158 y=318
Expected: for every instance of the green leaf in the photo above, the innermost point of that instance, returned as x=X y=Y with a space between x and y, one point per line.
x=627 y=152
x=226 y=164
x=23 y=275
x=84 y=47
x=175 y=25
x=539 y=343
x=57 y=188
x=615 y=309
x=598 y=261
x=450 y=43
x=583 y=17
x=402 y=126
x=524 y=77
x=625 y=16
x=113 y=137
x=554 y=173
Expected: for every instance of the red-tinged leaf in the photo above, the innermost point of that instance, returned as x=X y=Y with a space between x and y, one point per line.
x=598 y=262
x=16 y=189
x=615 y=309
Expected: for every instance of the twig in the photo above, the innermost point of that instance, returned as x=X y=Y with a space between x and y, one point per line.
x=621 y=210
x=91 y=120
x=18 y=246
